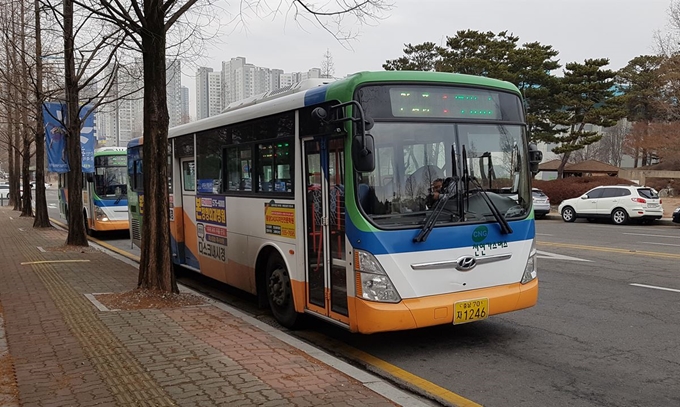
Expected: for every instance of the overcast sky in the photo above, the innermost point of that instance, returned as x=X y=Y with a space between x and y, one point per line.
x=616 y=29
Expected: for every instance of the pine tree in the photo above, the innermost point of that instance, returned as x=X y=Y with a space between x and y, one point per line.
x=587 y=97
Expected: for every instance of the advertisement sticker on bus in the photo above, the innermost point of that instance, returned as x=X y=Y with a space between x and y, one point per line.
x=211 y=226
x=206 y=186
x=279 y=219
x=171 y=204
x=211 y=209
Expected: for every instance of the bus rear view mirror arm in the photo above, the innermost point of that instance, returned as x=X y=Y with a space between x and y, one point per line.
x=535 y=158
x=362 y=143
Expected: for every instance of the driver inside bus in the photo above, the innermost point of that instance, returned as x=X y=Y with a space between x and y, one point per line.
x=435 y=193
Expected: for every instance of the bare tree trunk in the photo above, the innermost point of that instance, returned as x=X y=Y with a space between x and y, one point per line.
x=13 y=131
x=26 y=207
x=10 y=152
x=637 y=155
x=17 y=158
x=563 y=163
x=76 y=227
x=42 y=219
x=155 y=267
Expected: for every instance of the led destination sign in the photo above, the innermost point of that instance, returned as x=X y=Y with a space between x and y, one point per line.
x=444 y=102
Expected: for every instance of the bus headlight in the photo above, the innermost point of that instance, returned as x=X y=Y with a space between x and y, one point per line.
x=530 y=268
x=372 y=282
x=100 y=215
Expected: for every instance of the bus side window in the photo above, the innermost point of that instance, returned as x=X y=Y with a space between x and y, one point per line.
x=274 y=167
x=239 y=163
x=138 y=176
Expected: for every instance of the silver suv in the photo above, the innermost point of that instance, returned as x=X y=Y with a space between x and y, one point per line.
x=616 y=202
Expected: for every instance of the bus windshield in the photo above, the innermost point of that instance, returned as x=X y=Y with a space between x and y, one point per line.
x=111 y=182
x=414 y=161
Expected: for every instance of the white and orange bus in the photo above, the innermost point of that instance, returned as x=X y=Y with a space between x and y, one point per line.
x=318 y=200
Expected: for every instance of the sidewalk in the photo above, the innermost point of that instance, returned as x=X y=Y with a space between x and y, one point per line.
x=59 y=349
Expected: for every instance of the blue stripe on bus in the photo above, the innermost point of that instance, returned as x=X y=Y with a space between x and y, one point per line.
x=110 y=202
x=401 y=241
x=316 y=95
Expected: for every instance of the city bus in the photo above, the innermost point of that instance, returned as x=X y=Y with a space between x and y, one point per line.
x=105 y=206
x=318 y=199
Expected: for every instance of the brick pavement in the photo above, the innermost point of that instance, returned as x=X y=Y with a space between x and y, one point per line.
x=66 y=352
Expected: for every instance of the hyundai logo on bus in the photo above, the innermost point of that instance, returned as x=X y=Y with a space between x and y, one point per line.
x=479 y=234
x=465 y=263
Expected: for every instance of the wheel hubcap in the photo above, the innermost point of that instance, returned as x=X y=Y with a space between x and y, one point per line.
x=278 y=284
x=618 y=217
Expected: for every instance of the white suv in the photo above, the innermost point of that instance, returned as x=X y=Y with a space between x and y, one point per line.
x=616 y=202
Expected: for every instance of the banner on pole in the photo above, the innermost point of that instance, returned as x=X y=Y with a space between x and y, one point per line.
x=55 y=140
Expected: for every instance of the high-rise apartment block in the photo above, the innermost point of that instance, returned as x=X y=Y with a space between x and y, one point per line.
x=202 y=95
x=185 y=105
x=120 y=118
x=241 y=80
x=174 y=85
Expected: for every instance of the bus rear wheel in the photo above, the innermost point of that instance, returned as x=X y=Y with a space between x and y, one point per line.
x=280 y=292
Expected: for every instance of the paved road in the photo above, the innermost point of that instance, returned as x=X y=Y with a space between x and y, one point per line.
x=605 y=331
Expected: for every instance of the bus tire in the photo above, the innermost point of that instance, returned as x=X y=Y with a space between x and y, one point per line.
x=88 y=231
x=280 y=292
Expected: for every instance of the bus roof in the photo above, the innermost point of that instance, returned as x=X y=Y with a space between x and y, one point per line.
x=109 y=151
x=312 y=92
x=135 y=142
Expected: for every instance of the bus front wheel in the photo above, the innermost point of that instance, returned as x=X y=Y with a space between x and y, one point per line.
x=88 y=231
x=280 y=292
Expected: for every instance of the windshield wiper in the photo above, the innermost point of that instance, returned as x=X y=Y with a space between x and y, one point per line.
x=505 y=226
x=437 y=210
x=448 y=187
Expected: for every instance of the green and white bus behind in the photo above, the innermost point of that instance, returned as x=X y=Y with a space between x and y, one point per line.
x=105 y=206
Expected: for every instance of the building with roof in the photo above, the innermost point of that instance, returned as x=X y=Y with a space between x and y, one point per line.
x=581 y=169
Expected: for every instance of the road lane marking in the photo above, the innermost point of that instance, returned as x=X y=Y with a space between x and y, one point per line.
x=543 y=234
x=554 y=256
x=656 y=287
x=642 y=234
x=662 y=244
x=611 y=250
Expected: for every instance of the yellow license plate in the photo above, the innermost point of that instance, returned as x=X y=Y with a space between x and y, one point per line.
x=471 y=310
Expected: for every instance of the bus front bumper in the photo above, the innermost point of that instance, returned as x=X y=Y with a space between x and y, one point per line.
x=110 y=225
x=372 y=317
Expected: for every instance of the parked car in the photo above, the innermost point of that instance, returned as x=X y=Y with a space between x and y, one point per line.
x=47 y=186
x=4 y=191
x=676 y=215
x=541 y=203
x=540 y=200
x=616 y=202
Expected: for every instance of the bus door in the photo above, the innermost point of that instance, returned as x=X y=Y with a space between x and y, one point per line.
x=188 y=251
x=324 y=172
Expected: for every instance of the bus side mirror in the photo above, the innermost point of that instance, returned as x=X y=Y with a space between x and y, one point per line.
x=89 y=177
x=363 y=153
x=535 y=158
